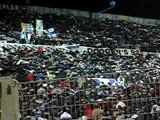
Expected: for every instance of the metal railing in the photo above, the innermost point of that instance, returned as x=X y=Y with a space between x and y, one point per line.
x=80 y=95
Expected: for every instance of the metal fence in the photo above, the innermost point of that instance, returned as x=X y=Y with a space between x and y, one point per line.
x=137 y=94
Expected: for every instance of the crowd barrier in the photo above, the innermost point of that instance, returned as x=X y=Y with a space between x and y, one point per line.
x=83 y=89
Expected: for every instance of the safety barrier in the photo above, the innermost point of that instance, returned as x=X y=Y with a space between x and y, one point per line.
x=137 y=93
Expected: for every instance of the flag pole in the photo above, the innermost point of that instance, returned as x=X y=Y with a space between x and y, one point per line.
x=112 y=5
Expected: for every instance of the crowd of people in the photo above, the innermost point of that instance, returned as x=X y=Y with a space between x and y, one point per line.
x=52 y=83
x=59 y=84
x=84 y=31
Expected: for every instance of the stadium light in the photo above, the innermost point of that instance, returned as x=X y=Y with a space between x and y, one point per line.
x=112 y=4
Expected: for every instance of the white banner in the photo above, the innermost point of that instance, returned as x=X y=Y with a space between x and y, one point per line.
x=94 y=50
x=3 y=42
x=39 y=27
x=118 y=51
x=81 y=49
x=127 y=52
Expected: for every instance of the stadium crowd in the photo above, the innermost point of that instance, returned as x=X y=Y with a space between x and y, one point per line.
x=51 y=79
x=84 y=31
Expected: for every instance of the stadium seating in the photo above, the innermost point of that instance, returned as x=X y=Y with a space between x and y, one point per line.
x=61 y=84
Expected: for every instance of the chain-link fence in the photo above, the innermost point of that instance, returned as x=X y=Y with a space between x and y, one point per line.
x=123 y=95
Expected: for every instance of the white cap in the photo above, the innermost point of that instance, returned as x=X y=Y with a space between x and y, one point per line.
x=134 y=116
x=99 y=100
x=45 y=85
x=39 y=101
x=101 y=76
x=51 y=86
x=84 y=117
x=121 y=104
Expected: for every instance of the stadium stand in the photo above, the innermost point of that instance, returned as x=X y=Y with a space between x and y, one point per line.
x=67 y=83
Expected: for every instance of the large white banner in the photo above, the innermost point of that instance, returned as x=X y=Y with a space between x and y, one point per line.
x=81 y=49
x=107 y=51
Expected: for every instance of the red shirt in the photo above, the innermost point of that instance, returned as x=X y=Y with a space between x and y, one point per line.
x=30 y=77
x=39 y=50
x=63 y=84
x=88 y=112
x=26 y=52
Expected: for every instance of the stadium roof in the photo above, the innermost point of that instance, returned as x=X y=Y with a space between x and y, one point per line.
x=140 y=8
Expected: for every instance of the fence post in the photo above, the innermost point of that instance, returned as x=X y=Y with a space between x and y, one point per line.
x=9 y=99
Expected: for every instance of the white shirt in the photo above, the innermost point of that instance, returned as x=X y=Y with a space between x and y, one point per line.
x=28 y=36
x=65 y=115
x=121 y=81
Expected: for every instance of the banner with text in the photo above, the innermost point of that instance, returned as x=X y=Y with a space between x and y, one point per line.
x=127 y=52
x=94 y=50
x=81 y=49
x=107 y=51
